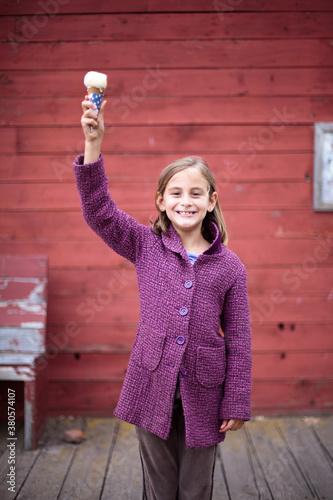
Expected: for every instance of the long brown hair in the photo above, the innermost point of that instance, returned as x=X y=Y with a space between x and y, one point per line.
x=162 y=222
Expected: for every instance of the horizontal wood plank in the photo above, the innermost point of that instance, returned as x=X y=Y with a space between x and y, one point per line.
x=114 y=338
x=72 y=338
x=263 y=253
x=289 y=309
x=217 y=82
x=88 y=367
x=80 y=282
x=277 y=223
x=23 y=266
x=22 y=340
x=274 y=397
x=8 y=141
x=172 y=26
x=250 y=140
x=250 y=196
x=307 y=278
x=139 y=108
x=241 y=224
x=68 y=254
x=83 y=398
x=30 y=290
x=8 y=7
x=23 y=315
x=7 y=26
x=167 y=54
x=226 y=168
x=266 y=366
x=275 y=307
x=270 y=253
x=290 y=336
x=284 y=366
x=107 y=307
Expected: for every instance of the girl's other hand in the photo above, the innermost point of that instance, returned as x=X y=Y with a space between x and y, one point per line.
x=92 y=124
x=231 y=425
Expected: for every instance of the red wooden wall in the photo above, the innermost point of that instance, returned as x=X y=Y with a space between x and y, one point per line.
x=240 y=82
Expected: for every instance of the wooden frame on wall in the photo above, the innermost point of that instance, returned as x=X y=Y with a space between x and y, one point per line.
x=323 y=167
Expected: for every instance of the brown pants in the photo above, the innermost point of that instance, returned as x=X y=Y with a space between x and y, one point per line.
x=170 y=470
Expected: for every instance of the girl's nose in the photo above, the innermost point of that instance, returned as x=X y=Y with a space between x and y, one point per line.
x=186 y=200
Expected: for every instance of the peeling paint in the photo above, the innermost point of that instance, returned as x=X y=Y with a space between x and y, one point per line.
x=24 y=373
x=21 y=340
x=16 y=310
x=37 y=297
x=34 y=303
x=25 y=280
x=37 y=293
x=28 y=307
x=3 y=284
x=32 y=324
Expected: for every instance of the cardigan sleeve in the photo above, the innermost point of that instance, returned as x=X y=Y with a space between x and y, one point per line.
x=235 y=323
x=118 y=230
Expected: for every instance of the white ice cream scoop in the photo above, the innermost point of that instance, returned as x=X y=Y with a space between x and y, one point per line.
x=96 y=80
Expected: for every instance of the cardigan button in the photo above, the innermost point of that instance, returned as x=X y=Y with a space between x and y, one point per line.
x=183 y=311
x=180 y=340
x=183 y=371
x=188 y=284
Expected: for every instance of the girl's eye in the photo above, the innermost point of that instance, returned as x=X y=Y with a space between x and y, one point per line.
x=196 y=194
x=175 y=193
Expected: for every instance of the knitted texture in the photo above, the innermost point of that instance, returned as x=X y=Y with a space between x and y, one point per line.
x=182 y=307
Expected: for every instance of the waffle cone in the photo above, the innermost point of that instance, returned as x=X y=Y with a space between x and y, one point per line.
x=95 y=90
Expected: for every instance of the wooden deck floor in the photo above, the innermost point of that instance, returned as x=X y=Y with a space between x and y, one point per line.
x=280 y=459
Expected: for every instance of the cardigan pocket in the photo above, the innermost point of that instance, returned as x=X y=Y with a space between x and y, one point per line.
x=152 y=349
x=210 y=370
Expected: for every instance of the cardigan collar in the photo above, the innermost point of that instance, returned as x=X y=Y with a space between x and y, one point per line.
x=210 y=233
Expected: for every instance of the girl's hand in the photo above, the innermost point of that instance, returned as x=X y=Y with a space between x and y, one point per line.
x=93 y=135
x=231 y=425
x=90 y=119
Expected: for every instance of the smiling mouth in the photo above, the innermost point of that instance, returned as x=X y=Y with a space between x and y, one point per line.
x=186 y=213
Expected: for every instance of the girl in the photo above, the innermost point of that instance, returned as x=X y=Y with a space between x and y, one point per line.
x=187 y=383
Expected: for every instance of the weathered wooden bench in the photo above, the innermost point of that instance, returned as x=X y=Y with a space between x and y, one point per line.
x=23 y=302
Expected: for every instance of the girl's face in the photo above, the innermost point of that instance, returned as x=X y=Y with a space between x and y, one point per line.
x=186 y=200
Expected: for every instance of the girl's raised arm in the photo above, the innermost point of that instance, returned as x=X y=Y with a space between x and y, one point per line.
x=118 y=230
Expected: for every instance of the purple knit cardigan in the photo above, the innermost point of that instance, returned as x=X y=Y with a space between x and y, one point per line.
x=182 y=307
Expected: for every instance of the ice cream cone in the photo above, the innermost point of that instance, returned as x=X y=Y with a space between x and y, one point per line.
x=96 y=85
